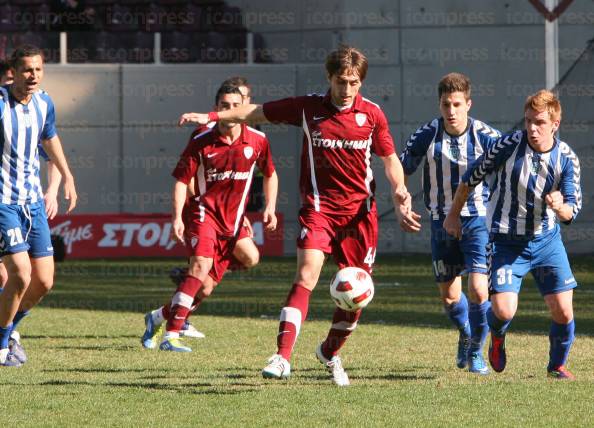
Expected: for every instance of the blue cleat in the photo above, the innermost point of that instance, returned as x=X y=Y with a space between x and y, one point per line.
x=174 y=345
x=151 y=332
x=16 y=349
x=477 y=364
x=463 y=347
x=497 y=355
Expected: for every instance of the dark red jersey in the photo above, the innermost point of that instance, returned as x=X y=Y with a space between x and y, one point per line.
x=222 y=175
x=336 y=175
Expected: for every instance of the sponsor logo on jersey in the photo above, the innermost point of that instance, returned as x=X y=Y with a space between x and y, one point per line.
x=248 y=152
x=213 y=175
x=327 y=143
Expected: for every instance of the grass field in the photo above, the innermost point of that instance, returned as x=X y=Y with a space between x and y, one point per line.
x=87 y=366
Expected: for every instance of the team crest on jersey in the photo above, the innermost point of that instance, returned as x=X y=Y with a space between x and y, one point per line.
x=248 y=152
x=454 y=151
x=194 y=242
x=360 y=118
x=536 y=166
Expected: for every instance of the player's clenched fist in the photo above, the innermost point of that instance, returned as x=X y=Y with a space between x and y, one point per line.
x=554 y=200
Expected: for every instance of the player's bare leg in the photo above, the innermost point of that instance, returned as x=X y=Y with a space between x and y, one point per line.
x=309 y=266
x=499 y=316
x=562 y=333
x=18 y=267
x=478 y=294
x=246 y=253
x=456 y=307
x=3 y=275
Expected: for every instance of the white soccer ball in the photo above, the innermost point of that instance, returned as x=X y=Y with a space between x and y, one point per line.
x=351 y=289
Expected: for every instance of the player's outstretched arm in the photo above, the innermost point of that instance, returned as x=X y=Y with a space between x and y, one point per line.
x=251 y=113
x=452 y=223
x=270 y=187
x=50 y=196
x=53 y=148
x=408 y=219
x=179 y=199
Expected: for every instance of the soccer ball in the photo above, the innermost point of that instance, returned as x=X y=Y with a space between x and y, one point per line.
x=351 y=289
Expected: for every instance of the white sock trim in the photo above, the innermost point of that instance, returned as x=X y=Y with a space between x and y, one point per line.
x=292 y=315
x=345 y=325
x=182 y=299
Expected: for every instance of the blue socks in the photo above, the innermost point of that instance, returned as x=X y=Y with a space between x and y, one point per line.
x=479 y=328
x=498 y=327
x=458 y=314
x=5 y=335
x=18 y=318
x=561 y=337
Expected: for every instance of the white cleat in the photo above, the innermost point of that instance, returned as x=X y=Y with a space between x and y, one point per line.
x=334 y=366
x=190 y=331
x=277 y=368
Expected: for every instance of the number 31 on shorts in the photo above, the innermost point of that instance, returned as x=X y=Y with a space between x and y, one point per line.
x=370 y=257
x=502 y=275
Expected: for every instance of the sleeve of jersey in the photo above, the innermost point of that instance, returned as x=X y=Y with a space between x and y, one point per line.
x=287 y=110
x=43 y=153
x=186 y=166
x=569 y=185
x=382 y=142
x=49 y=127
x=416 y=148
x=264 y=162
x=491 y=160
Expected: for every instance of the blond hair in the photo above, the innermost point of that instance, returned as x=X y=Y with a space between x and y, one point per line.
x=544 y=100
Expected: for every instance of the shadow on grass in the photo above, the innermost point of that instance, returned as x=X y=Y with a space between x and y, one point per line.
x=405 y=292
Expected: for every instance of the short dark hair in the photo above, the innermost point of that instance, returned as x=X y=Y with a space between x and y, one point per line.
x=454 y=82
x=24 y=51
x=238 y=81
x=226 y=89
x=4 y=67
x=346 y=58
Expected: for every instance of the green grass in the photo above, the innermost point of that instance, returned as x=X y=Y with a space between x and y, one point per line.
x=87 y=367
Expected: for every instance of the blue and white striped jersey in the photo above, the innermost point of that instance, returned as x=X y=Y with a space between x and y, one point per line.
x=23 y=127
x=446 y=159
x=522 y=179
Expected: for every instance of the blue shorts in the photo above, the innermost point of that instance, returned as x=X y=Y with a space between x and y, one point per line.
x=544 y=256
x=453 y=257
x=25 y=228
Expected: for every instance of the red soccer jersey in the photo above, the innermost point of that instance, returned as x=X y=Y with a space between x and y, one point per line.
x=336 y=175
x=223 y=174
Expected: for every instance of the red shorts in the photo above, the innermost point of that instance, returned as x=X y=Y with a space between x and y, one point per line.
x=351 y=239
x=202 y=240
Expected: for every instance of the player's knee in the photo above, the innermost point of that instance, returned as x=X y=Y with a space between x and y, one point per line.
x=45 y=285
x=20 y=280
x=251 y=260
x=562 y=315
x=206 y=290
x=504 y=313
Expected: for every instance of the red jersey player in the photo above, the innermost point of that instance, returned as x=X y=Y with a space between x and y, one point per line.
x=245 y=253
x=338 y=215
x=221 y=160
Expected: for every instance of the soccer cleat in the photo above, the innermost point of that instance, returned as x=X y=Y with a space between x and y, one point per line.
x=497 y=356
x=463 y=347
x=7 y=359
x=477 y=364
x=334 y=366
x=177 y=275
x=16 y=349
x=277 y=368
x=561 y=373
x=151 y=332
x=173 y=344
x=188 y=330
